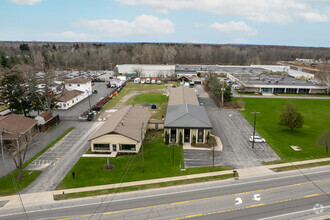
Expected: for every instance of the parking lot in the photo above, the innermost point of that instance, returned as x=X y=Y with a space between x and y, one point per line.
x=234 y=131
x=83 y=106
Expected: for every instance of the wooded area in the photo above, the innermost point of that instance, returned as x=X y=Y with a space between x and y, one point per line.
x=43 y=56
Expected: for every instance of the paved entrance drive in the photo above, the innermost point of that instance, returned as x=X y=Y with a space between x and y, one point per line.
x=234 y=131
x=57 y=161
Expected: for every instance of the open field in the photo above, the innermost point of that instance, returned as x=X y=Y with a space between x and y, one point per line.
x=130 y=87
x=159 y=99
x=158 y=162
x=316 y=121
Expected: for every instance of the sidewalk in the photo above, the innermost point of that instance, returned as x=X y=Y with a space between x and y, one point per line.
x=47 y=197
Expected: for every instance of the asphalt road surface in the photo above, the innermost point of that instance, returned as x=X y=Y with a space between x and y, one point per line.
x=291 y=195
x=234 y=131
x=57 y=161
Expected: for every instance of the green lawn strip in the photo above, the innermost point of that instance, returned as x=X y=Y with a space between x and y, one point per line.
x=301 y=166
x=280 y=138
x=158 y=163
x=6 y=182
x=6 y=185
x=49 y=146
x=140 y=187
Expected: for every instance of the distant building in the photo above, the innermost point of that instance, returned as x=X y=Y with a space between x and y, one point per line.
x=123 y=132
x=145 y=70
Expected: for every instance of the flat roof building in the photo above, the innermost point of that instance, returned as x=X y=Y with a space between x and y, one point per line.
x=146 y=70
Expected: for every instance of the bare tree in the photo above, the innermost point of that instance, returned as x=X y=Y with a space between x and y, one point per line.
x=138 y=71
x=16 y=148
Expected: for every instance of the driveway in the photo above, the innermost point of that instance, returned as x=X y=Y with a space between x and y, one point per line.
x=41 y=141
x=234 y=131
x=83 y=106
x=57 y=161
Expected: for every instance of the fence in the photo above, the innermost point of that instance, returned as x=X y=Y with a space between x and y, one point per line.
x=49 y=123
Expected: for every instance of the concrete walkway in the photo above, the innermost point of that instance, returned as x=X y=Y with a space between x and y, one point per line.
x=47 y=197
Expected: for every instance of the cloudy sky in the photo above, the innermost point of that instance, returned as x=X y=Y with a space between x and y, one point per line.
x=269 y=22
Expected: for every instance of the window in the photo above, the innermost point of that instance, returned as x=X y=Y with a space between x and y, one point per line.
x=69 y=84
x=200 y=135
x=128 y=147
x=78 y=85
x=64 y=105
x=101 y=146
x=72 y=101
x=173 y=135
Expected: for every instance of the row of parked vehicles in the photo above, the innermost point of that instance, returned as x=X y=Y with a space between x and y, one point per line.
x=152 y=80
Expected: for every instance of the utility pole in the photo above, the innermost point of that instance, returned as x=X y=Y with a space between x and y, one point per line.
x=142 y=148
x=89 y=100
x=222 y=91
x=2 y=150
x=254 y=127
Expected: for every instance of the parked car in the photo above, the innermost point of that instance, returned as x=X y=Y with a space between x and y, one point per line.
x=257 y=139
x=90 y=116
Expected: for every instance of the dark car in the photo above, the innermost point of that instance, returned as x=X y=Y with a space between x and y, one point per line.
x=90 y=116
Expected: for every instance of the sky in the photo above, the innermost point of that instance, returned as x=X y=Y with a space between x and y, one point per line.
x=263 y=22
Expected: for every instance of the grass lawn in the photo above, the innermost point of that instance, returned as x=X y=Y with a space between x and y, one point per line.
x=129 y=88
x=140 y=187
x=6 y=183
x=3 y=107
x=152 y=98
x=7 y=186
x=316 y=121
x=302 y=166
x=157 y=159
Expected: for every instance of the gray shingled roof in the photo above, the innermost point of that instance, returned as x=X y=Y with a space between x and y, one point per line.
x=187 y=116
x=126 y=121
x=182 y=95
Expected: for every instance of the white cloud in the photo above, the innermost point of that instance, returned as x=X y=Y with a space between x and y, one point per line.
x=234 y=28
x=312 y=17
x=26 y=2
x=68 y=36
x=278 y=11
x=143 y=25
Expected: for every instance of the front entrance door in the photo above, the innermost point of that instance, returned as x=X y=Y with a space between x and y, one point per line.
x=186 y=135
x=114 y=147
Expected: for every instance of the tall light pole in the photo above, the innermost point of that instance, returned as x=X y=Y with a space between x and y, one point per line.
x=89 y=100
x=254 y=127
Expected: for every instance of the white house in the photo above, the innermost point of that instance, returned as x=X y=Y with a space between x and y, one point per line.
x=69 y=99
x=77 y=89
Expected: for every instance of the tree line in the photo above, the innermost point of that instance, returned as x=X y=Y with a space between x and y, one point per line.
x=42 y=56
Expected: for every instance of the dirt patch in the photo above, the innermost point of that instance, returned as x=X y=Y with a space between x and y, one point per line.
x=109 y=167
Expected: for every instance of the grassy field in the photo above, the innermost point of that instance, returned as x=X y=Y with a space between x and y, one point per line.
x=6 y=182
x=316 y=120
x=3 y=107
x=140 y=187
x=152 y=98
x=158 y=160
x=129 y=88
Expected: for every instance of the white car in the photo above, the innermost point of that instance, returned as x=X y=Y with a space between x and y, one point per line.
x=257 y=139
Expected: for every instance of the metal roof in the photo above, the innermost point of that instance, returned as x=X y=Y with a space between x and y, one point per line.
x=182 y=95
x=187 y=116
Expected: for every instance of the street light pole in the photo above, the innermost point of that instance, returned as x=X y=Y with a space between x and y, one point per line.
x=89 y=100
x=254 y=127
x=142 y=148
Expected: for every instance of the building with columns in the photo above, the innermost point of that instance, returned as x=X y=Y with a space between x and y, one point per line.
x=185 y=117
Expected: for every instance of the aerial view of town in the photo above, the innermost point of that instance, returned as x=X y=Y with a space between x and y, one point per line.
x=187 y=109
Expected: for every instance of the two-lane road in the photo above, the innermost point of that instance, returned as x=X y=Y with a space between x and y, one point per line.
x=288 y=195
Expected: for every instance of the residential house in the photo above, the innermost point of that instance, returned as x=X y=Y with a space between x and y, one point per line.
x=123 y=132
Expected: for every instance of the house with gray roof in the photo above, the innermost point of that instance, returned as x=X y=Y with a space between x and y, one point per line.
x=185 y=117
x=123 y=132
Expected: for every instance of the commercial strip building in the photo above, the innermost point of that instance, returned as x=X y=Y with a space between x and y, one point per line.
x=185 y=117
x=123 y=132
x=274 y=83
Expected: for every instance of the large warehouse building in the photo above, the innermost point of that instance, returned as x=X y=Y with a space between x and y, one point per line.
x=145 y=70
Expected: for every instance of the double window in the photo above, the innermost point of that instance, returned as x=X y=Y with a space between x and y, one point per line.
x=127 y=147
x=101 y=146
